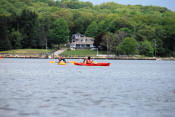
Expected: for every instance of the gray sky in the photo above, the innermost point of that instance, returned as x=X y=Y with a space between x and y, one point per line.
x=170 y=4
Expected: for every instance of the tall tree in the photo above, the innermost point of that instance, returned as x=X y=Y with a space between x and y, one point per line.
x=16 y=38
x=28 y=24
x=60 y=32
x=108 y=42
x=92 y=30
x=4 y=40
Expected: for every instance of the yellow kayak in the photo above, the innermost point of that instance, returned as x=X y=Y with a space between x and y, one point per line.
x=61 y=63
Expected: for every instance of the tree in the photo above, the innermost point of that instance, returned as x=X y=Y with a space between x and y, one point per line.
x=108 y=42
x=145 y=32
x=60 y=32
x=16 y=38
x=81 y=21
x=44 y=33
x=4 y=40
x=73 y=4
x=129 y=46
x=92 y=29
x=146 y=48
x=121 y=34
x=29 y=25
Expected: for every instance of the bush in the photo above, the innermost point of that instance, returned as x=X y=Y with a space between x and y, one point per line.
x=146 y=48
x=129 y=46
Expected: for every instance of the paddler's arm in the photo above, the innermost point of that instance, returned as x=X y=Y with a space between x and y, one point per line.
x=64 y=60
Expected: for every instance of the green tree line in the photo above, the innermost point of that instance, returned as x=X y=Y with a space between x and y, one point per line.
x=118 y=29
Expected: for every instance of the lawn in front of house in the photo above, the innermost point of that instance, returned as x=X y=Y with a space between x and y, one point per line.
x=26 y=51
x=81 y=53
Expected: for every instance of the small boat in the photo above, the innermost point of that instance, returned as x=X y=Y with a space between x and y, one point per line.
x=61 y=63
x=92 y=64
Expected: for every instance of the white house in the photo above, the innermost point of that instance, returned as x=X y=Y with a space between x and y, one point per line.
x=80 y=41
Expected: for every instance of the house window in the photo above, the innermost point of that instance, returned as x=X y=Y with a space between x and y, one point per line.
x=78 y=45
x=83 y=40
x=83 y=45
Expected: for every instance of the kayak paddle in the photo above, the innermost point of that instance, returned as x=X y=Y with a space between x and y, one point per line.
x=52 y=61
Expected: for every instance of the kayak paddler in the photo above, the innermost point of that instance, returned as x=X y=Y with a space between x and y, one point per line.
x=87 y=60
x=61 y=59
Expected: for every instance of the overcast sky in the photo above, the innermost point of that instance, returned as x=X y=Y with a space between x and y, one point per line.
x=170 y=4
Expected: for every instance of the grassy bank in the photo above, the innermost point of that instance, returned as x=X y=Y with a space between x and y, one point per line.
x=23 y=51
x=81 y=53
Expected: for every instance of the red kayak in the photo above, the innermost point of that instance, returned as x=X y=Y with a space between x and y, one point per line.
x=92 y=64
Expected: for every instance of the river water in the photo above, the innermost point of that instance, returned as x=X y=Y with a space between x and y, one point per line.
x=37 y=88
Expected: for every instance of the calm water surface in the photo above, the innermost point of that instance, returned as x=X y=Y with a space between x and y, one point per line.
x=37 y=88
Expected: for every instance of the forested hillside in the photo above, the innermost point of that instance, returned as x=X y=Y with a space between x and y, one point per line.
x=119 y=29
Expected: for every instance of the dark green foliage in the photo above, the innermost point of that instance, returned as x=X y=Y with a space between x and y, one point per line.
x=16 y=38
x=30 y=22
x=129 y=46
x=146 y=48
x=4 y=40
x=92 y=30
x=73 y=4
x=121 y=34
x=80 y=21
x=29 y=28
x=60 y=32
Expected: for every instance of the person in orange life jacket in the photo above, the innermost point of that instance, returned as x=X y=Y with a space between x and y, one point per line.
x=88 y=60
x=61 y=59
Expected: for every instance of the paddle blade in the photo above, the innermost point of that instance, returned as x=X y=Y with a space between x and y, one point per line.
x=52 y=61
x=72 y=62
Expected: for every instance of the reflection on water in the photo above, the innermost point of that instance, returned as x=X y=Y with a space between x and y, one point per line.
x=37 y=88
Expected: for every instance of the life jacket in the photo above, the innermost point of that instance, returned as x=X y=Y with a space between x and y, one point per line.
x=61 y=59
x=88 y=61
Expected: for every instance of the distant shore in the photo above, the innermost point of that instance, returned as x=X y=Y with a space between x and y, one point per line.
x=78 y=54
x=43 y=56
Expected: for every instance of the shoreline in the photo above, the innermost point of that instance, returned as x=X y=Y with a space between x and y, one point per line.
x=97 y=57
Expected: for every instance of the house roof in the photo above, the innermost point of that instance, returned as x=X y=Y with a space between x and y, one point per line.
x=78 y=34
x=84 y=40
